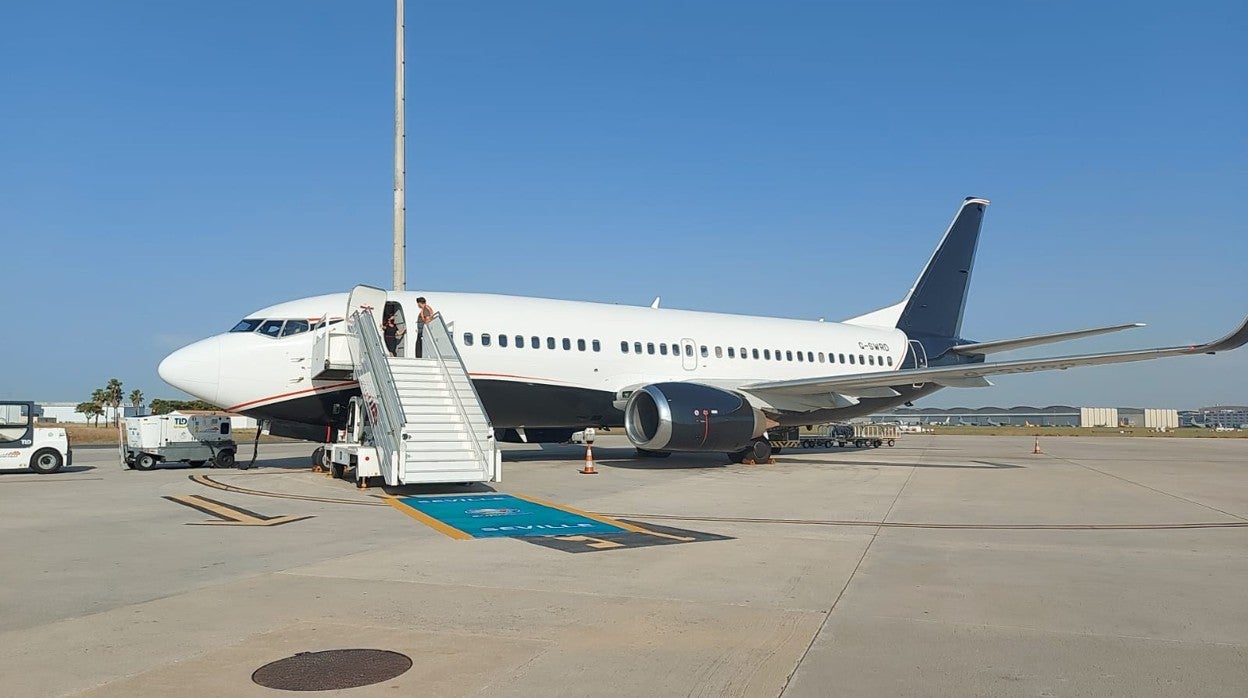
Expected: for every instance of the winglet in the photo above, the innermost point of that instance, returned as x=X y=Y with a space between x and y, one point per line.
x=1234 y=340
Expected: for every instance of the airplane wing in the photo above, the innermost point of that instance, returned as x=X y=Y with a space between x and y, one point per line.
x=1036 y=340
x=975 y=375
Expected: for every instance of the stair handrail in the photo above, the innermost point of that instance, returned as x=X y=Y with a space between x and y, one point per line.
x=438 y=337
x=365 y=329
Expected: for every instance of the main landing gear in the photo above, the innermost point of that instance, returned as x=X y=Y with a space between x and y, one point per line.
x=758 y=452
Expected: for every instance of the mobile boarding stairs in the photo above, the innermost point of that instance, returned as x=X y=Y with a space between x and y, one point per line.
x=417 y=420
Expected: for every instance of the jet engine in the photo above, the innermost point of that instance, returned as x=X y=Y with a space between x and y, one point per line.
x=691 y=417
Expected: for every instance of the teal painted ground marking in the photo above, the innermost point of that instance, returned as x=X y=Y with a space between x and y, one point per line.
x=505 y=516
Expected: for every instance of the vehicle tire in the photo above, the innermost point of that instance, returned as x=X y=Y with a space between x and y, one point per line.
x=761 y=451
x=890 y=443
x=197 y=463
x=826 y=444
x=145 y=461
x=224 y=459
x=877 y=443
x=337 y=470
x=46 y=460
x=643 y=453
x=318 y=457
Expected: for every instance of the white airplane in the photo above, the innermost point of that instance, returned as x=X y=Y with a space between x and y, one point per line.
x=676 y=380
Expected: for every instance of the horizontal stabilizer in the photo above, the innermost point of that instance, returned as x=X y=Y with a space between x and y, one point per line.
x=1001 y=345
x=962 y=375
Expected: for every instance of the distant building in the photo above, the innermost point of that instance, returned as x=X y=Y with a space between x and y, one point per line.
x=1224 y=416
x=1052 y=416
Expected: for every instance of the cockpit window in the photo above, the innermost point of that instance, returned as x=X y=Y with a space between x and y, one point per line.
x=248 y=325
x=271 y=328
x=294 y=327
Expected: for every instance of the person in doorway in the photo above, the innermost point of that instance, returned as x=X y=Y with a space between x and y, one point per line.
x=392 y=334
x=425 y=317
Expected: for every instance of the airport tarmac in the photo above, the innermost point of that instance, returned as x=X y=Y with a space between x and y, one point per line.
x=948 y=565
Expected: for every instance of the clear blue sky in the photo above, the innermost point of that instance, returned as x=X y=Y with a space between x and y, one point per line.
x=166 y=168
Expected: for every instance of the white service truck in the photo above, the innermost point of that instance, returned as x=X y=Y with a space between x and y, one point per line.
x=22 y=445
x=196 y=439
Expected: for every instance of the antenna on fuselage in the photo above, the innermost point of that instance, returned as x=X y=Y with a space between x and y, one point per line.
x=400 y=173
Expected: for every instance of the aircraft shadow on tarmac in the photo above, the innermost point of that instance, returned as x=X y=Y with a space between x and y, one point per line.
x=973 y=465
x=63 y=471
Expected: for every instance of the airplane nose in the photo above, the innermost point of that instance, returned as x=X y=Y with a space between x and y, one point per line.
x=195 y=369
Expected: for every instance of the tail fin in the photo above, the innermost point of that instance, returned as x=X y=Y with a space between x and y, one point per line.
x=934 y=305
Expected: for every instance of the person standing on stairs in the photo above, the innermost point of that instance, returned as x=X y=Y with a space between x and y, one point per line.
x=392 y=334
x=425 y=317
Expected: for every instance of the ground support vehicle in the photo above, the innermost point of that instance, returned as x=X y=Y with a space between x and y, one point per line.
x=354 y=455
x=195 y=439
x=22 y=445
x=862 y=435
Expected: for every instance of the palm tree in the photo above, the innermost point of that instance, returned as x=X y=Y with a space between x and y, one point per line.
x=115 y=396
x=100 y=397
x=136 y=398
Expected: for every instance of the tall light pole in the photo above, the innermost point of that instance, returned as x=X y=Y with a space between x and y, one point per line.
x=400 y=172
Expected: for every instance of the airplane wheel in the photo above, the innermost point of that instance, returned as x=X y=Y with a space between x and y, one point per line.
x=776 y=449
x=145 y=461
x=643 y=453
x=46 y=461
x=197 y=463
x=761 y=450
x=738 y=456
x=318 y=457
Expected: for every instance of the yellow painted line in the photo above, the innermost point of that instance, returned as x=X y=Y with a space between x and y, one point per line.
x=428 y=520
x=599 y=518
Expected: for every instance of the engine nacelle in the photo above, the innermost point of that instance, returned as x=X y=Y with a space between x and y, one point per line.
x=691 y=417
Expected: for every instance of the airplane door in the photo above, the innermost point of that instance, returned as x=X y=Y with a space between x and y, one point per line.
x=916 y=357
x=367 y=298
x=688 y=355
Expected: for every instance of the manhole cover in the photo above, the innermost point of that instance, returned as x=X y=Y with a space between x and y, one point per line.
x=331 y=670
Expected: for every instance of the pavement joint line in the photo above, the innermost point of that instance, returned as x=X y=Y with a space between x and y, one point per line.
x=1051 y=631
x=1154 y=489
x=788 y=680
x=941 y=526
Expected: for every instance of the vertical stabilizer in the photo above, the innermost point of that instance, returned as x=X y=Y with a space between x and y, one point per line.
x=934 y=306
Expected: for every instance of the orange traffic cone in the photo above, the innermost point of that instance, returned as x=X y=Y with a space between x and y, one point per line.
x=1037 y=449
x=589 y=462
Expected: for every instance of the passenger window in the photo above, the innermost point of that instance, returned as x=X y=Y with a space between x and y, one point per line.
x=294 y=327
x=799 y=356
x=842 y=358
x=467 y=339
x=810 y=357
x=550 y=342
x=688 y=350
x=767 y=354
x=731 y=353
x=485 y=339
x=535 y=342
x=663 y=349
x=871 y=359
x=851 y=359
x=567 y=344
x=271 y=328
x=756 y=354
x=743 y=352
x=502 y=340
x=788 y=355
x=719 y=352
x=890 y=361
x=820 y=357
x=623 y=347
x=704 y=352
x=650 y=347
x=779 y=356
x=596 y=345
x=519 y=341
x=580 y=345
x=636 y=347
